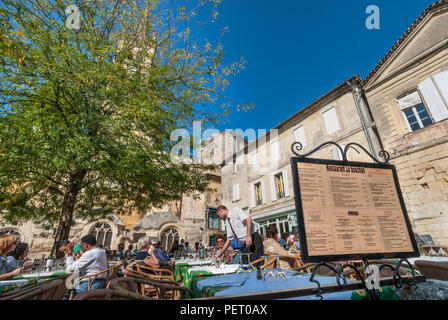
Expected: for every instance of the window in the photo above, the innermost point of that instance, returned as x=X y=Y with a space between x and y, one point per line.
x=275 y=151
x=414 y=111
x=279 y=186
x=255 y=161
x=434 y=91
x=331 y=120
x=8 y=231
x=258 y=194
x=213 y=220
x=168 y=237
x=103 y=234
x=299 y=135
x=236 y=192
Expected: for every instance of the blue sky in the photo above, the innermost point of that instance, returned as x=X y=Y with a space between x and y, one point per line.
x=298 y=50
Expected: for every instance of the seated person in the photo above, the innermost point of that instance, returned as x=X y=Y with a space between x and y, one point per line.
x=174 y=248
x=7 y=244
x=219 y=244
x=93 y=260
x=144 y=257
x=283 y=241
x=164 y=259
x=272 y=247
x=187 y=248
x=18 y=256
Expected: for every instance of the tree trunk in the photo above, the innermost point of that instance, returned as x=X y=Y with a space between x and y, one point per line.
x=68 y=206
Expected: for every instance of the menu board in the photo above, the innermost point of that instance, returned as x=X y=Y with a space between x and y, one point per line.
x=350 y=209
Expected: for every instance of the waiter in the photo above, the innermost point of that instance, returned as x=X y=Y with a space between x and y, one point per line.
x=242 y=230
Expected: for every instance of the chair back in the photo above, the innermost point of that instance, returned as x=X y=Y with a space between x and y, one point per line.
x=109 y=294
x=45 y=291
x=432 y=269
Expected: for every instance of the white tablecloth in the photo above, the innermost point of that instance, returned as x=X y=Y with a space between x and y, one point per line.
x=435 y=259
x=224 y=269
x=195 y=262
x=40 y=274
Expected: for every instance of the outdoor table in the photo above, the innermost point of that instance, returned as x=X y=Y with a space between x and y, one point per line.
x=24 y=280
x=246 y=283
x=223 y=269
x=195 y=262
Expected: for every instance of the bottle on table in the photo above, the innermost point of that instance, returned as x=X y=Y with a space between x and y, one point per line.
x=201 y=251
x=50 y=262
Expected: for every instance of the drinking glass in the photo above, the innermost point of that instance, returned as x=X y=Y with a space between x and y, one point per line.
x=267 y=272
x=280 y=272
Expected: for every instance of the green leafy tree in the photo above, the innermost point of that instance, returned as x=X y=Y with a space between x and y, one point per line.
x=86 y=113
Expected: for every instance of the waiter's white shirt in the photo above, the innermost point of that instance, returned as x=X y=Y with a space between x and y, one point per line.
x=238 y=218
x=92 y=261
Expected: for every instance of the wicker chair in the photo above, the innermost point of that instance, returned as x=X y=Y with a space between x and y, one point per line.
x=109 y=294
x=157 y=274
x=142 y=284
x=111 y=273
x=432 y=269
x=43 y=291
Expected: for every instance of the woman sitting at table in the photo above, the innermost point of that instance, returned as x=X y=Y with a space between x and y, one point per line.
x=18 y=256
x=174 y=248
x=144 y=256
x=7 y=244
x=219 y=244
x=272 y=247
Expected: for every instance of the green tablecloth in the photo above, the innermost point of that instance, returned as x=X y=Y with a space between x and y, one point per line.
x=31 y=281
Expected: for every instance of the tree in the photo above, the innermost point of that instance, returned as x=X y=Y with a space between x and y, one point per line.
x=86 y=114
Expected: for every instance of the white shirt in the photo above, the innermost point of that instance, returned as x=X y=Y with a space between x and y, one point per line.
x=69 y=261
x=238 y=218
x=92 y=261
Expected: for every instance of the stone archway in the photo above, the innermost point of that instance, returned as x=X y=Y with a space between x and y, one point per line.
x=15 y=231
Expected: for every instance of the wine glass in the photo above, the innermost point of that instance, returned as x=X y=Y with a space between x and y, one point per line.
x=267 y=272
x=280 y=272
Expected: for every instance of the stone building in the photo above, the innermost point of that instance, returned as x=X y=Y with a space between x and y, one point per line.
x=261 y=181
x=408 y=95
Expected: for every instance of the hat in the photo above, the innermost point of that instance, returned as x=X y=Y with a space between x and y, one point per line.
x=77 y=248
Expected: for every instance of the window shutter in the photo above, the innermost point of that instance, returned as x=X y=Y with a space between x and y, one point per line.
x=252 y=193
x=273 y=192
x=441 y=81
x=433 y=100
x=299 y=135
x=331 y=120
x=285 y=182
x=263 y=193
x=275 y=152
x=237 y=192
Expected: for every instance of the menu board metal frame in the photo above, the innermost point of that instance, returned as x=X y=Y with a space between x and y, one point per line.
x=301 y=222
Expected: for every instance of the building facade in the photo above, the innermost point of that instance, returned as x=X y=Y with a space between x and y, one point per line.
x=408 y=95
x=261 y=181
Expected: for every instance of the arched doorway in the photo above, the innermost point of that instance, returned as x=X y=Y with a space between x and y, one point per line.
x=102 y=231
x=168 y=236
x=8 y=231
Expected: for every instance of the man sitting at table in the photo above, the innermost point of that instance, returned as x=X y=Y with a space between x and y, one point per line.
x=241 y=228
x=93 y=260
